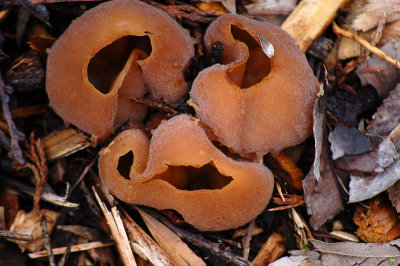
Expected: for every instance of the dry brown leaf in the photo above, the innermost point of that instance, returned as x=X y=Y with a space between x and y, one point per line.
x=284 y=167
x=373 y=12
x=321 y=193
x=348 y=141
x=29 y=224
x=370 y=163
x=363 y=250
x=176 y=249
x=394 y=195
x=387 y=116
x=380 y=74
x=366 y=187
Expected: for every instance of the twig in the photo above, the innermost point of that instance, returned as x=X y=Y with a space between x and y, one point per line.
x=74 y=248
x=160 y=105
x=15 y=151
x=66 y=254
x=395 y=134
x=83 y=175
x=14 y=235
x=23 y=112
x=247 y=239
x=200 y=241
x=373 y=49
x=118 y=231
x=143 y=244
x=43 y=224
x=49 y=197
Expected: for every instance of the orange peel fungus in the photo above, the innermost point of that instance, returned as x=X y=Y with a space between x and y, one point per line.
x=117 y=50
x=180 y=169
x=253 y=103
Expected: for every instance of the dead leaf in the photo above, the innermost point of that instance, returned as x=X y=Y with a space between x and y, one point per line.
x=394 y=195
x=391 y=31
x=333 y=259
x=289 y=261
x=321 y=197
x=387 y=116
x=15 y=151
x=362 y=188
x=348 y=141
x=40 y=44
x=230 y=5
x=321 y=193
x=374 y=10
x=379 y=73
x=26 y=73
x=39 y=11
x=370 y=163
x=29 y=224
x=177 y=250
x=363 y=250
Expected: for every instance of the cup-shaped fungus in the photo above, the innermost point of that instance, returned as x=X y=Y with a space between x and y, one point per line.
x=253 y=103
x=180 y=169
x=117 y=50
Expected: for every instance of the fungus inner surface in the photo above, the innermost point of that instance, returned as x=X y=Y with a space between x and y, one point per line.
x=192 y=178
x=181 y=177
x=258 y=65
x=105 y=66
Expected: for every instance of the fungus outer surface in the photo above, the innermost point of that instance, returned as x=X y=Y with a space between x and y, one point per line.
x=254 y=104
x=164 y=172
x=160 y=73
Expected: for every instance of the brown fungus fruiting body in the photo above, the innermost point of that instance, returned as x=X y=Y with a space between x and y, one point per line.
x=117 y=50
x=253 y=103
x=180 y=169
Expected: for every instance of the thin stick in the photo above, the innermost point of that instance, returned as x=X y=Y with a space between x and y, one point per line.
x=66 y=254
x=74 y=248
x=200 y=241
x=373 y=49
x=395 y=134
x=83 y=174
x=46 y=236
x=118 y=231
x=247 y=239
x=16 y=236
x=49 y=197
x=143 y=244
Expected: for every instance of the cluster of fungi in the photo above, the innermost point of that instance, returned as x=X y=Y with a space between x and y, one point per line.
x=248 y=102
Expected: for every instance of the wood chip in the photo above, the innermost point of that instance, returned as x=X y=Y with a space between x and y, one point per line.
x=118 y=231
x=272 y=249
x=309 y=20
x=177 y=250
x=62 y=143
